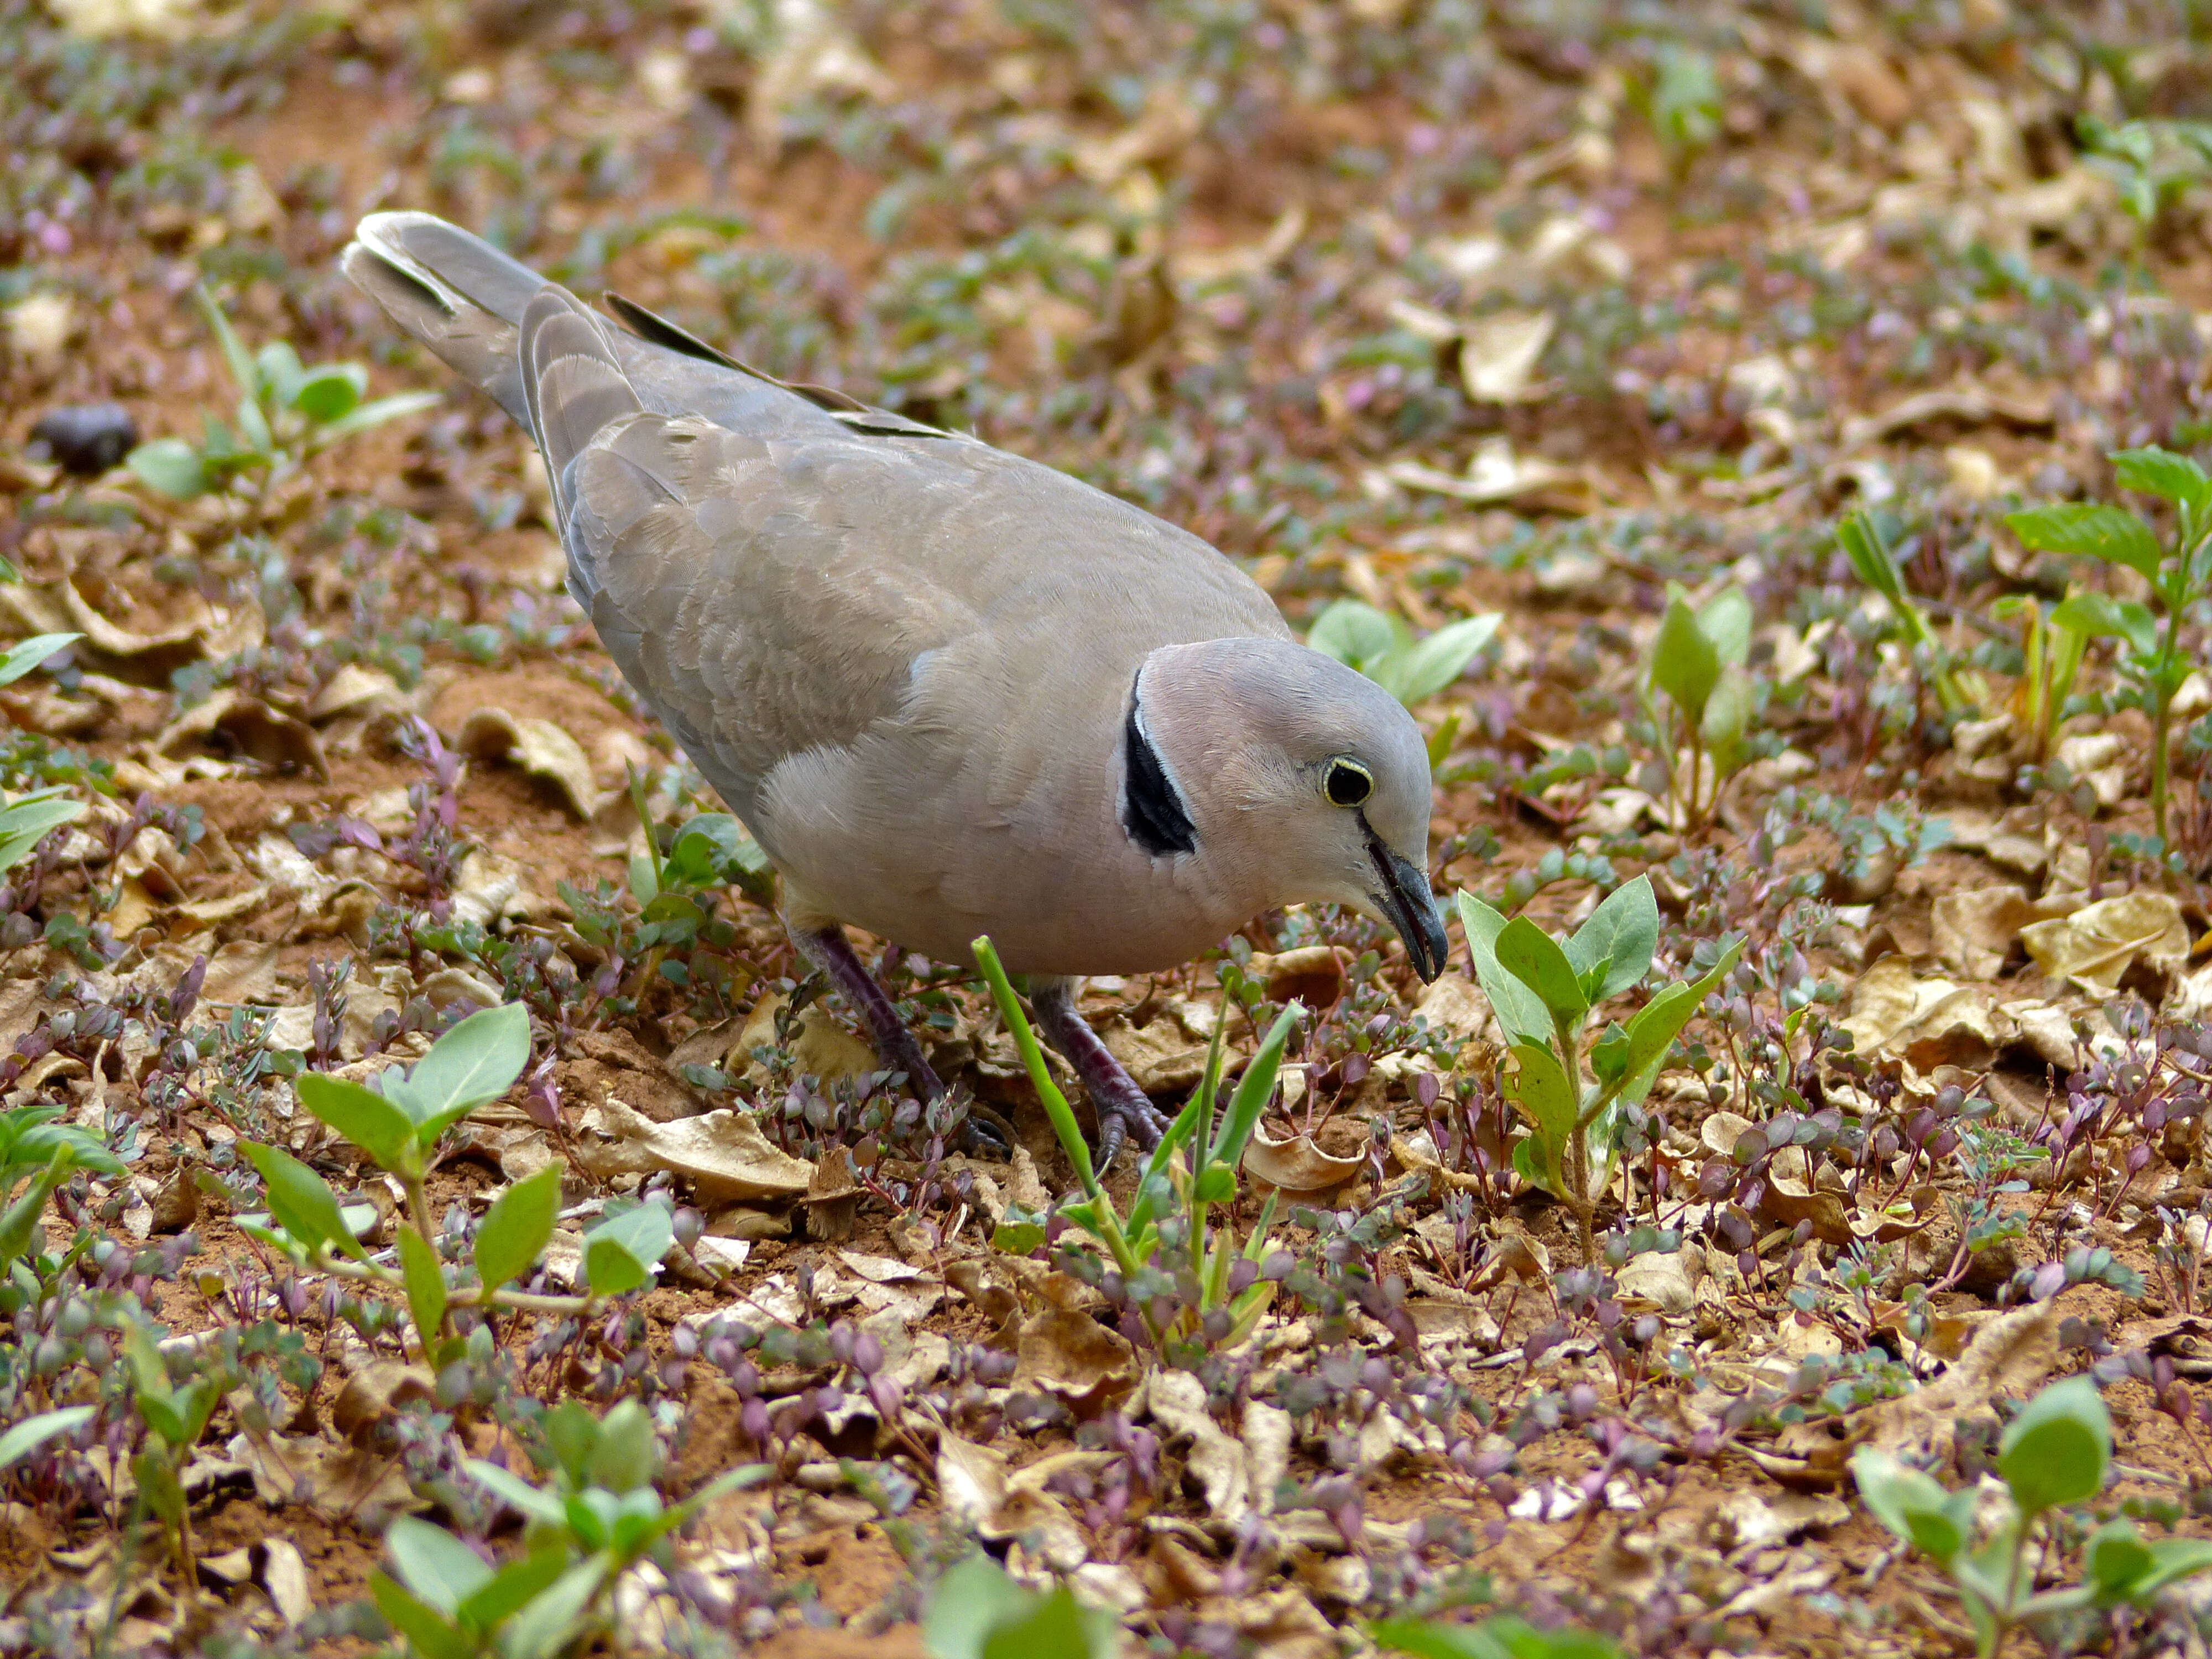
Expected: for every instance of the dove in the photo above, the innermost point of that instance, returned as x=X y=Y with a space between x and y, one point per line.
x=949 y=690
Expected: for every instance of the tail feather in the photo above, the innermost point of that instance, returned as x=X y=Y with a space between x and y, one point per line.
x=454 y=292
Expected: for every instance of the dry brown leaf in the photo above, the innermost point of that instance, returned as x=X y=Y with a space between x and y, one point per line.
x=540 y=747
x=724 y=1154
x=1176 y=1401
x=821 y=1048
x=1159 y=1057
x=1494 y=473
x=1298 y=1167
x=1973 y=932
x=2096 y=946
x=1072 y=1355
x=240 y=724
x=1498 y=355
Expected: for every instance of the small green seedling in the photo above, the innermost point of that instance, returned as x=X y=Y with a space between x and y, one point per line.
x=1544 y=991
x=2153 y=162
x=1683 y=103
x=33 y=1432
x=1499 y=1637
x=37 y=1155
x=977 y=1611
x=286 y=412
x=2052 y=1457
x=1696 y=659
x=1382 y=647
x=399 y=1119
x=2179 y=570
x=175 y=1416
x=1192 y=1169
x=1866 y=546
x=2051 y=654
x=30 y=817
x=598 y=1516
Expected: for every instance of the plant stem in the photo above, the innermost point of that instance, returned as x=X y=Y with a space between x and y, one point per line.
x=418 y=1211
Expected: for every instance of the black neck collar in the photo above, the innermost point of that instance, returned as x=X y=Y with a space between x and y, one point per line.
x=1151 y=811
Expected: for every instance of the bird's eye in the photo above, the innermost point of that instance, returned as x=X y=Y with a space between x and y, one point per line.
x=1347 y=783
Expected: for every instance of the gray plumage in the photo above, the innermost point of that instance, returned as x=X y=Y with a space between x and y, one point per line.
x=915 y=665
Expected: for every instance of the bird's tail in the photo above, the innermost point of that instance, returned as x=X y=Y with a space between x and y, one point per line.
x=456 y=293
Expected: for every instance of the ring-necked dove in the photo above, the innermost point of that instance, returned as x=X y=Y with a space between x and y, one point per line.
x=949 y=691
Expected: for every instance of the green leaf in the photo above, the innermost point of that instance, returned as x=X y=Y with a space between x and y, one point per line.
x=1254 y=1090
x=1913 y=1506
x=1519 y=1010
x=544 y=1626
x=24 y=657
x=1620 y=936
x=364 y=1117
x=425 y=1279
x=2156 y=471
x=33 y=1432
x=369 y=416
x=1354 y=633
x=621 y=1253
x=1547 y=1098
x=169 y=466
x=2055 y=1452
x=626 y=1455
x=21 y=1218
x=30 y=820
x=1056 y=1108
x=2171 y=1560
x=1684 y=664
x=428 y=1635
x=2106 y=532
x=1535 y=957
x=1657 y=1024
x=513 y=1586
x=538 y=1504
x=969 y=1601
x=1503 y=1636
x=476 y=1062
x=242 y=370
x=1725 y=621
x=1058 y=1625
x=2115 y=1557
x=1728 y=714
x=1419 y=672
x=1870 y=558
x=278 y=373
x=438 y=1567
x=2097 y=616
x=330 y=392
x=302 y=1205
x=515 y=1228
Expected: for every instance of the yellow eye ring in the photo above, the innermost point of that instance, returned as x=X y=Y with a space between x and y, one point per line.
x=1346 y=783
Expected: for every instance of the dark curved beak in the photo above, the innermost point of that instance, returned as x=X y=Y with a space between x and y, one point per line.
x=1407 y=898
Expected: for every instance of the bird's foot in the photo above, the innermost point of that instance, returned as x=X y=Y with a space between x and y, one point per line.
x=984 y=1133
x=1125 y=1112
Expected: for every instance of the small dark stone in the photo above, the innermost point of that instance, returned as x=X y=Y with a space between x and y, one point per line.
x=86 y=439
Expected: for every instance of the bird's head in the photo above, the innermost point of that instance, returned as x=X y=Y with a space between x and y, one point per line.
x=1292 y=778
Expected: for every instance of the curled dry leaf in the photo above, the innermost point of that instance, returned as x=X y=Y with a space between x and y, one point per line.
x=377 y=1392
x=1298 y=1167
x=1312 y=973
x=2094 y=947
x=1973 y=932
x=1498 y=355
x=539 y=747
x=977 y=1489
x=821 y=1049
x=1176 y=1401
x=242 y=726
x=724 y=1154
x=1160 y=1056
x=1930 y=1022
x=1068 y=1353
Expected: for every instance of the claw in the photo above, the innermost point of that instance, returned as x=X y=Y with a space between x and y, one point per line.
x=1125 y=1112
